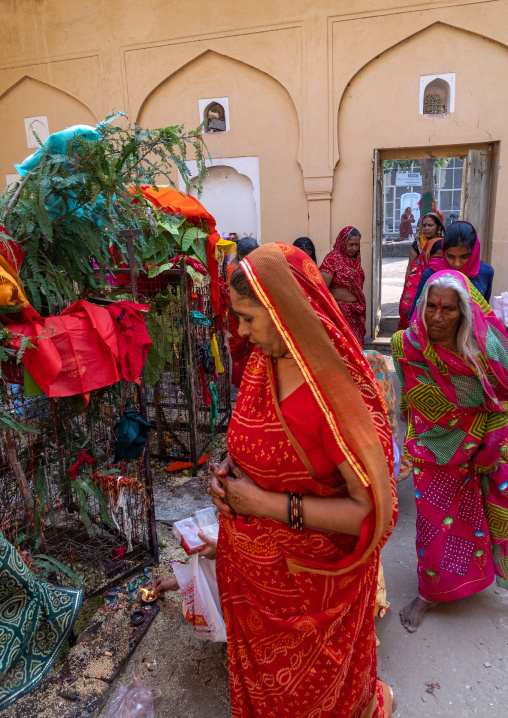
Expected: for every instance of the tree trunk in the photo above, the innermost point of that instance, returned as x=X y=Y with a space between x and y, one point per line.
x=427 y=167
x=18 y=472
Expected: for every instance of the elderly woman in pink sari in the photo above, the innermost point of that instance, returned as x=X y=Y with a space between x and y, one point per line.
x=452 y=362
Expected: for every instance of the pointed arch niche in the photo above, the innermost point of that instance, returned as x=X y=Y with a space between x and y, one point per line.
x=31 y=98
x=379 y=110
x=231 y=194
x=263 y=129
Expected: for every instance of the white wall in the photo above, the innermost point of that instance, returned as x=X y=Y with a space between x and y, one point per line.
x=229 y=197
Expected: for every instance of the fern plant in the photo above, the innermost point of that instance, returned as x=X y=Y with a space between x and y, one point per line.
x=67 y=212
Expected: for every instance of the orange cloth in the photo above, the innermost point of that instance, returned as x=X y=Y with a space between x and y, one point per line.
x=182 y=465
x=12 y=292
x=171 y=200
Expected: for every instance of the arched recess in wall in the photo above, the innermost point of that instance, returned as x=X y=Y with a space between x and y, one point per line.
x=263 y=124
x=229 y=196
x=380 y=110
x=417 y=54
x=33 y=98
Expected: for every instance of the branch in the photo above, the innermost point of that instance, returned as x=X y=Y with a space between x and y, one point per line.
x=18 y=472
x=16 y=194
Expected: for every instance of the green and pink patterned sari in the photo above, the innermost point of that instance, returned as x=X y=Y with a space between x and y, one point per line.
x=457 y=425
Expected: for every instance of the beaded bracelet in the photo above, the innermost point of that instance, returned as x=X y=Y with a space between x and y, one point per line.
x=295 y=512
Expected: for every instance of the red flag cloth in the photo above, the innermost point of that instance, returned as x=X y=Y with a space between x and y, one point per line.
x=73 y=472
x=207 y=397
x=133 y=338
x=11 y=250
x=79 y=350
x=196 y=264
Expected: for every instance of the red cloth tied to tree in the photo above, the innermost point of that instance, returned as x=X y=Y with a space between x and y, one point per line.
x=11 y=251
x=75 y=352
x=299 y=605
x=194 y=263
x=133 y=338
x=82 y=456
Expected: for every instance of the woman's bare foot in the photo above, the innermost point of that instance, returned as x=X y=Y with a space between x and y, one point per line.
x=395 y=703
x=412 y=615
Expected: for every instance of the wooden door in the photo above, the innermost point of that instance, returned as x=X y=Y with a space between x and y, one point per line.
x=377 y=215
x=475 y=196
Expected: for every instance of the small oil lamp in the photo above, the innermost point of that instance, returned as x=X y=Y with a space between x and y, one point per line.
x=147 y=596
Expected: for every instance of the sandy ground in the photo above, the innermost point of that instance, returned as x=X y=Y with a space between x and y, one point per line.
x=454 y=666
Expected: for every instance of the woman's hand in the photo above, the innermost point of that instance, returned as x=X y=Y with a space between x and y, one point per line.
x=165 y=583
x=341 y=294
x=243 y=495
x=216 y=487
x=211 y=546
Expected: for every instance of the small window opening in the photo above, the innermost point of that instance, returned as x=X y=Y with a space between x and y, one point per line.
x=436 y=98
x=215 y=118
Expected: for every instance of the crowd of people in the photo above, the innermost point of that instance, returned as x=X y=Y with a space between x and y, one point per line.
x=307 y=491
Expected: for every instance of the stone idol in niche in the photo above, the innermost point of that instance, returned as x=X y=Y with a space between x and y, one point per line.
x=216 y=121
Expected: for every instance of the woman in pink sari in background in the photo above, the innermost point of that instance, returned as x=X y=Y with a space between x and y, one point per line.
x=343 y=274
x=452 y=363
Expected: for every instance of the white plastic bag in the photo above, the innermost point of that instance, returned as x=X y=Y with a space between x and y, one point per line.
x=397 y=458
x=136 y=701
x=200 y=598
x=186 y=530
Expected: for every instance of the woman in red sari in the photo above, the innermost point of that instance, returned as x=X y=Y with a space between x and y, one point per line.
x=308 y=499
x=406 y=226
x=433 y=249
x=342 y=272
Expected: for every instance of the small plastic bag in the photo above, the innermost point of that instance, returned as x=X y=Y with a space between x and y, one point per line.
x=136 y=701
x=200 y=598
x=186 y=530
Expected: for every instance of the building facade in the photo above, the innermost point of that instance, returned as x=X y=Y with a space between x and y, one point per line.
x=302 y=99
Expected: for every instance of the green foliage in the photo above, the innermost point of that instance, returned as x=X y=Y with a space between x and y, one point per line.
x=410 y=165
x=47 y=564
x=71 y=208
x=166 y=335
x=7 y=420
x=84 y=486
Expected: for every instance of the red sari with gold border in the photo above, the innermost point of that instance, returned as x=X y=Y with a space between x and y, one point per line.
x=299 y=606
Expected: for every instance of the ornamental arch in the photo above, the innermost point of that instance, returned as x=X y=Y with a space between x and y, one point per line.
x=32 y=98
x=263 y=124
x=372 y=118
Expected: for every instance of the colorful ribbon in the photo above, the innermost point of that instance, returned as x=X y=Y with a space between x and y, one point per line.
x=74 y=469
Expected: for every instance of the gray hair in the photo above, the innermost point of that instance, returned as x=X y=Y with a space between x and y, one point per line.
x=466 y=339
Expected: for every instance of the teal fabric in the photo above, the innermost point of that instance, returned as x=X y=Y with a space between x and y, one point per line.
x=131 y=433
x=214 y=406
x=442 y=442
x=36 y=619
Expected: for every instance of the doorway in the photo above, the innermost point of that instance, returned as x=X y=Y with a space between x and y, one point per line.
x=460 y=181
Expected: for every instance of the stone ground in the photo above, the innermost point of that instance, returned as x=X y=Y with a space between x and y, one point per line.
x=393 y=273
x=456 y=665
